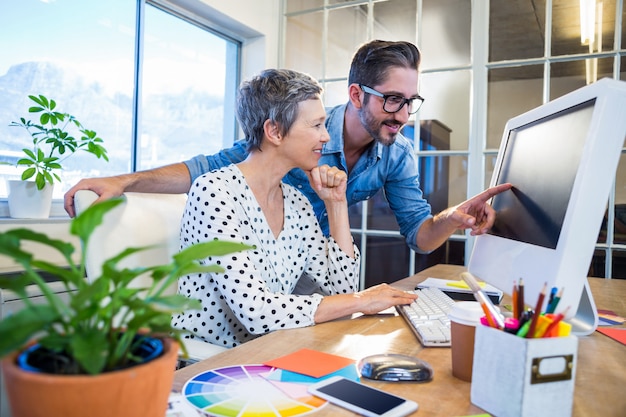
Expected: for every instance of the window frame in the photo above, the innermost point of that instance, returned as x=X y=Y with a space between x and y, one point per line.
x=192 y=13
x=477 y=151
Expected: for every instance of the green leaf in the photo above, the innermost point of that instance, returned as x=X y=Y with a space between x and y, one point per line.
x=23 y=325
x=174 y=303
x=197 y=268
x=16 y=284
x=65 y=274
x=90 y=349
x=41 y=100
x=48 y=177
x=65 y=248
x=24 y=161
x=91 y=293
x=29 y=153
x=41 y=181
x=10 y=245
x=28 y=173
x=205 y=249
x=35 y=109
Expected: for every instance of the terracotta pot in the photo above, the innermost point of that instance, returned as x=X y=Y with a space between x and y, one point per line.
x=141 y=391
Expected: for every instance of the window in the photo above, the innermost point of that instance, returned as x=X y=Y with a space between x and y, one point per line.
x=83 y=55
x=536 y=54
x=477 y=56
x=188 y=89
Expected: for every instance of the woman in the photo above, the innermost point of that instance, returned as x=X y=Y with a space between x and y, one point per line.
x=294 y=277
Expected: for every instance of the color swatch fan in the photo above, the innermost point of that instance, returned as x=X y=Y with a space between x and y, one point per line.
x=245 y=391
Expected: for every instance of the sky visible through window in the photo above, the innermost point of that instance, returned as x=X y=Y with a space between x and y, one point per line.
x=81 y=53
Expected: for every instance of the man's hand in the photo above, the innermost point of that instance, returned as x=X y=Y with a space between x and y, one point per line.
x=170 y=179
x=475 y=213
x=105 y=187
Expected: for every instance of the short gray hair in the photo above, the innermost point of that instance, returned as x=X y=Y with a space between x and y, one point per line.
x=273 y=95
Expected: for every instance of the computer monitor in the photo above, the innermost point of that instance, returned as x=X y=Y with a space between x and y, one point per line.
x=561 y=158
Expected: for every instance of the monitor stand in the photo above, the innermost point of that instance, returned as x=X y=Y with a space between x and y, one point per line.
x=585 y=321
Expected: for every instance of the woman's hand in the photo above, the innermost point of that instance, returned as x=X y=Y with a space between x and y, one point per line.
x=380 y=297
x=329 y=183
x=369 y=301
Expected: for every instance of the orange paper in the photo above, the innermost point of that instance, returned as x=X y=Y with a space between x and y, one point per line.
x=618 y=334
x=310 y=362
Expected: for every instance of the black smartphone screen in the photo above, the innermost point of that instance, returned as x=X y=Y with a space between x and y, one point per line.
x=362 y=396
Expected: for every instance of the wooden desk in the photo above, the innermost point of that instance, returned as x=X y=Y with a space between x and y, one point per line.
x=600 y=376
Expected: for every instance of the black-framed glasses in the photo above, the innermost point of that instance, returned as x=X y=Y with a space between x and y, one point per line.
x=393 y=103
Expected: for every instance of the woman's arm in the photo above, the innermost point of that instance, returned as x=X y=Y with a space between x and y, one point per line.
x=369 y=301
x=330 y=185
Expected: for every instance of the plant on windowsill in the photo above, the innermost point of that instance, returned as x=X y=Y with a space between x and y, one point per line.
x=56 y=137
x=103 y=330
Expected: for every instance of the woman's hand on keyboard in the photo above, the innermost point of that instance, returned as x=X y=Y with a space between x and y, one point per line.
x=370 y=301
x=381 y=297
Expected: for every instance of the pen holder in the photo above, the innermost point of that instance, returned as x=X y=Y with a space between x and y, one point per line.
x=518 y=377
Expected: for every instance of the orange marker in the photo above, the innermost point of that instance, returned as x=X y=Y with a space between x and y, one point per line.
x=555 y=322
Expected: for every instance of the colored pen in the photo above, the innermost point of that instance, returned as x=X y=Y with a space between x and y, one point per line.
x=520 y=296
x=551 y=297
x=516 y=312
x=555 y=322
x=493 y=316
x=511 y=325
x=525 y=317
x=533 y=321
x=523 y=330
x=552 y=305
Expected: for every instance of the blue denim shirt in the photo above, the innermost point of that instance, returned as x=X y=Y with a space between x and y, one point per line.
x=393 y=168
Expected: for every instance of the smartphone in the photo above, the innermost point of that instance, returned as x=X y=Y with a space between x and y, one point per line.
x=362 y=399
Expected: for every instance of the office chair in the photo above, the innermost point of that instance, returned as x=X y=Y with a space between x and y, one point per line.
x=144 y=219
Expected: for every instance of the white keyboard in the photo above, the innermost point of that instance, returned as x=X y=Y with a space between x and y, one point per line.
x=428 y=318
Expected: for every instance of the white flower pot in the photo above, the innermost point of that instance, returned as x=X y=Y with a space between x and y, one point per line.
x=27 y=202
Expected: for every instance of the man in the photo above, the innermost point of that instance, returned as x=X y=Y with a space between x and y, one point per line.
x=365 y=142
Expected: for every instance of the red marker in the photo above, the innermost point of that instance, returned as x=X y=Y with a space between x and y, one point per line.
x=533 y=321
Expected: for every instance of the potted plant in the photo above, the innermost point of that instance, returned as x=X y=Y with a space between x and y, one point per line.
x=56 y=137
x=97 y=341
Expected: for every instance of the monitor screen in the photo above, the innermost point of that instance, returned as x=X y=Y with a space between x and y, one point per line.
x=542 y=171
x=561 y=158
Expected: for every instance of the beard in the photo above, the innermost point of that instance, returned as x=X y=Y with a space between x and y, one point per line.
x=374 y=127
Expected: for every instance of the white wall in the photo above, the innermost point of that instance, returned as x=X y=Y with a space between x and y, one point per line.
x=256 y=23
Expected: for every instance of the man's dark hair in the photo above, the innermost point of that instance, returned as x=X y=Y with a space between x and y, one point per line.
x=372 y=61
